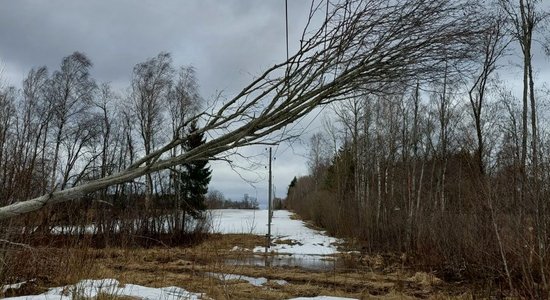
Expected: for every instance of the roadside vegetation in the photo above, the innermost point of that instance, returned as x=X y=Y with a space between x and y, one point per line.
x=452 y=173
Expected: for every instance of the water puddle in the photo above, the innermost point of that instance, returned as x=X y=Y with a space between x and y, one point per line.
x=309 y=262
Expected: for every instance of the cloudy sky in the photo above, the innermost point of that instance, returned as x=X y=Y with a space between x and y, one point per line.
x=228 y=42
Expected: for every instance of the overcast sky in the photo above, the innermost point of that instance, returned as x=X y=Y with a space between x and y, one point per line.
x=228 y=42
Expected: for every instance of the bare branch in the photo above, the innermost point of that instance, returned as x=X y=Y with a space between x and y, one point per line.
x=360 y=47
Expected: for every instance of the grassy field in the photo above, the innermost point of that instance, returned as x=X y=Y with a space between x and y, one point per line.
x=202 y=268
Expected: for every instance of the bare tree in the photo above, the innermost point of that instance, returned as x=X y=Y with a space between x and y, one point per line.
x=492 y=48
x=184 y=102
x=70 y=92
x=350 y=115
x=7 y=143
x=361 y=45
x=445 y=114
x=105 y=115
x=151 y=84
x=526 y=18
x=319 y=154
x=36 y=117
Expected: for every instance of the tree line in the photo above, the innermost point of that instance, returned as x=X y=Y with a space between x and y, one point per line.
x=453 y=171
x=216 y=200
x=63 y=128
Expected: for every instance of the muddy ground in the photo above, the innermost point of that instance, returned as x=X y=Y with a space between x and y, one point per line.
x=205 y=268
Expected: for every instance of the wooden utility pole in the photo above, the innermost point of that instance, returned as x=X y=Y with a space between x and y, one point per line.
x=269 y=206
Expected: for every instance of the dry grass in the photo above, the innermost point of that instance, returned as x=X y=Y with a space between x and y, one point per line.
x=187 y=268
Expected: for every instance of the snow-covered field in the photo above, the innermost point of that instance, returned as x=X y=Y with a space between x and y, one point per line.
x=299 y=239
x=295 y=236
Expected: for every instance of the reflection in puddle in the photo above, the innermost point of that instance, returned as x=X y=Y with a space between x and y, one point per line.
x=310 y=262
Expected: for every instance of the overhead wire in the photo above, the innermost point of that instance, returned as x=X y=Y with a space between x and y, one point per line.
x=287 y=85
x=287 y=69
x=287 y=74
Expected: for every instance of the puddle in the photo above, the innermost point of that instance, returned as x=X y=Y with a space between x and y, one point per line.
x=309 y=262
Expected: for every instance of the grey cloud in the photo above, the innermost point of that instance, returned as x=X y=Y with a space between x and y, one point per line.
x=228 y=42
x=221 y=38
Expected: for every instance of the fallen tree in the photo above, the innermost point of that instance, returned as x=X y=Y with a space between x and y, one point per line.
x=358 y=47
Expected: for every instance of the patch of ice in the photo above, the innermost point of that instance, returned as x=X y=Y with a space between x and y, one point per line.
x=91 y=288
x=252 y=280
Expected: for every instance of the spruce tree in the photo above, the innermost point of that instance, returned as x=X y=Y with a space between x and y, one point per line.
x=291 y=186
x=195 y=177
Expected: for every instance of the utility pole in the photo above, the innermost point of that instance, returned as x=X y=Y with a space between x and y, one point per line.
x=269 y=207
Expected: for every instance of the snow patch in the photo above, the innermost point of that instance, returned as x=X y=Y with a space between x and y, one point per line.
x=252 y=280
x=91 y=288
x=304 y=240
x=15 y=286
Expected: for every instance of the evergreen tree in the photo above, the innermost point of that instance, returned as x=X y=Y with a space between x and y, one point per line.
x=291 y=185
x=195 y=177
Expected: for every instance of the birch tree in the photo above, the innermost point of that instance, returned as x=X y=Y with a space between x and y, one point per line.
x=70 y=91
x=360 y=46
x=151 y=84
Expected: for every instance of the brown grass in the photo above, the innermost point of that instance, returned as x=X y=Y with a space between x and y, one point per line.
x=186 y=267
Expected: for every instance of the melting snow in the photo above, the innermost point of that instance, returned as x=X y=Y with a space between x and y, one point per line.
x=301 y=239
x=294 y=236
x=252 y=280
x=91 y=288
x=15 y=286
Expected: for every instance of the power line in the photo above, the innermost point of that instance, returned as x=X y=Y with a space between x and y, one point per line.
x=286 y=25
x=287 y=70
x=286 y=74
